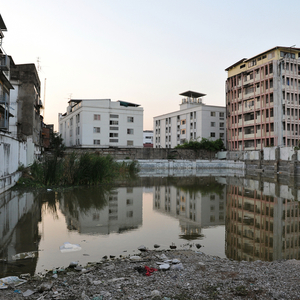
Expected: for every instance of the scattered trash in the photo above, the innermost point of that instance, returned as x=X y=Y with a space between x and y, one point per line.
x=164 y=267
x=173 y=246
x=135 y=258
x=24 y=255
x=45 y=286
x=156 y=246
x=11 y=280
x=155 y=293
x=146 y=271
x=54 y=276
x=177 y=266
x=67 y=247
x=142 y=248
x=28 y=293
x=17 y=291
x=73 y=264
x=26 y=275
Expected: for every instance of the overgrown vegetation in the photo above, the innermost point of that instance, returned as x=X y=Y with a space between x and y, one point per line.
x=204 y=144
x=87 y=169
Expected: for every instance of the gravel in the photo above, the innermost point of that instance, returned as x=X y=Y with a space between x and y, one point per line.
x=191 y=275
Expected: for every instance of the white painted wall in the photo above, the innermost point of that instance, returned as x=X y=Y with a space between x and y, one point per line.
x=286 y=153
x=168 y=128
x=103 y=107
x=13 y=154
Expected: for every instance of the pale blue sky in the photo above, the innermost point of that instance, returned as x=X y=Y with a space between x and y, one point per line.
x=146 y=52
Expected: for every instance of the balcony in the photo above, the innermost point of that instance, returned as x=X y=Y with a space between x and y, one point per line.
x=248 y=81
x=4 y=63
x=3 y=98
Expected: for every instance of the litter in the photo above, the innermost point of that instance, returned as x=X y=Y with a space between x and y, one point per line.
x=28 y=293
x=67 y=247
x=24 y=255
x=11 y=280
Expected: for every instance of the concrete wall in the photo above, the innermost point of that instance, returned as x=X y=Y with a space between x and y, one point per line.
x=13 y=154
x=148 y=153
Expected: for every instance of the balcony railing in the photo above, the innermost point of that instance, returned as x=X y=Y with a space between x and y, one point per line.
x=4 y=63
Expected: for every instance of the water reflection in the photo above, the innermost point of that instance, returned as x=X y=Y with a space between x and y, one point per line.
x=196 y=202
x=19 y=215
x=262 y=220
x=241 y=218
x=94 y=210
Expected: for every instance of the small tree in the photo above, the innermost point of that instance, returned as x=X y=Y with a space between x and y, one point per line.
x=57 y=145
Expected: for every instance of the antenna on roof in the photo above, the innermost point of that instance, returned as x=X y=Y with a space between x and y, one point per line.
x=39 y=68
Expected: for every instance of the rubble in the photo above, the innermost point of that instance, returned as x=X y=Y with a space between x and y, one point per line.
x=192 y=275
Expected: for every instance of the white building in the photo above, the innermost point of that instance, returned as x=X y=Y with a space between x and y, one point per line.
x=194 y=120
x=102 y=123
x=148 y=138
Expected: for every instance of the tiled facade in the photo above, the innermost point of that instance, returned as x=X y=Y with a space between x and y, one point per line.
x=195 y=120
x=263 y=100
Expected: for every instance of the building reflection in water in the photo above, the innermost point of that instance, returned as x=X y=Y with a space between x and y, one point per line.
x=196 y=202
x=19 y=216
x=93 y=210
x=262 y=221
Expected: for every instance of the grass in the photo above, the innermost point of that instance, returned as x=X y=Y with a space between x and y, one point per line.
x=87 y=169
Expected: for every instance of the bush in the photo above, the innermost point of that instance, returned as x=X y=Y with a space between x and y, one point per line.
x=204 y=144
x=87 y=169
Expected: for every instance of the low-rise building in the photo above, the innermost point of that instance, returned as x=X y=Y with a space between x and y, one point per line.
x=148 y=138
x=194 y=120
x=101 y=123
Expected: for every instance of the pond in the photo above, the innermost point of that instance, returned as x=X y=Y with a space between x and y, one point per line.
x=236 y=217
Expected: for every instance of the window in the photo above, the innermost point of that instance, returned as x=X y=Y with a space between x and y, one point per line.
x=96 y=142
x=212 y=113
x=212 y=134
x=96 y=130
x=221 y=125
x=129 y=202
x=113 y=140
x=182 y=122
x=221 y=135
x=183 y=131
x=113 y=122
x=221 y=115
x=130 y=119
x=114 y=116
x=113 y=134
x=113 y=128
x=97 y=117
x=129 y=131
x=129 y=214
x=212 y=124
x=129 y=143
x=252 y=63
x=78 y=130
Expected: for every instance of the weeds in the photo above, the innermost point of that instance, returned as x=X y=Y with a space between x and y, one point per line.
x=87 y=169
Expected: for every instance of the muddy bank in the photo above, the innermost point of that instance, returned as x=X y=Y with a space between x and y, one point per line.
x=186 y=275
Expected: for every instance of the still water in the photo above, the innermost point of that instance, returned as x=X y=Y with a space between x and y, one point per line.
x=234 y=217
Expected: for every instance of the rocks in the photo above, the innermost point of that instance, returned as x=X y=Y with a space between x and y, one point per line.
x=191 y=276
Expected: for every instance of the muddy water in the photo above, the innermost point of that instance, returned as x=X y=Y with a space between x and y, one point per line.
x=232 y=217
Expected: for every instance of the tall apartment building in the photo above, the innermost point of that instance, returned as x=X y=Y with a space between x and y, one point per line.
x=194 y=120
x=5 y=85
x=102 y=123
x=263 y=100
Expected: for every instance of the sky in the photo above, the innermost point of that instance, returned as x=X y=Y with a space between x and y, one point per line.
x=141 y=51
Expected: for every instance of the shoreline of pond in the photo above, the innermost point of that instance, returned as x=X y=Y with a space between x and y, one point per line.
x=190 y=275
